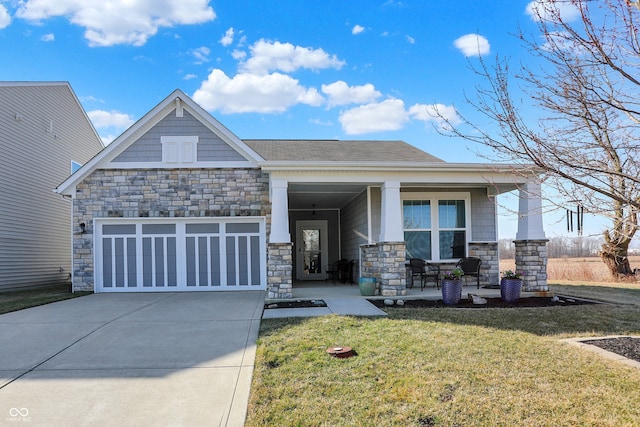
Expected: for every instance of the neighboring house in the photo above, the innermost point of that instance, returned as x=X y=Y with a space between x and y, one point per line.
x=45 y=135
x=178 y=202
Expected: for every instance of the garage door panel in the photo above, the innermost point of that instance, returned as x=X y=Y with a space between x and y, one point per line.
x=181 y=255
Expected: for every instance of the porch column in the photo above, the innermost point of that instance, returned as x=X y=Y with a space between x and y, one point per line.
x=530 y=213
x=279 y=212
x=391 y=215
x=531 y=243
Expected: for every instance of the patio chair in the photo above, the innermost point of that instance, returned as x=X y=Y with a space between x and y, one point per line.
x=417 y=269
x=346 y=272
x=471 y=267
x=424 y=270
x=334 y=270
x=432 y=271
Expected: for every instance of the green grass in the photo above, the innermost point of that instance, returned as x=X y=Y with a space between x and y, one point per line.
x=447 y=366
x=20 y=299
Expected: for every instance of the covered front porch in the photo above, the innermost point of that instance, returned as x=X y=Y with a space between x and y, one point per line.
x=310 y=290
x=320 y=219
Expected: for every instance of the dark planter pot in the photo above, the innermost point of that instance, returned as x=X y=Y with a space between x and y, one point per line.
x=510 y=289
x=451 y=291
x=367 y=286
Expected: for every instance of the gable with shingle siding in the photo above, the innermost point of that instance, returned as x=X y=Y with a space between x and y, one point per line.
x=338 y=151
x=148 y=147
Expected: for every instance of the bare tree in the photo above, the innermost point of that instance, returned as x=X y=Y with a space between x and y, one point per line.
x=584 y=89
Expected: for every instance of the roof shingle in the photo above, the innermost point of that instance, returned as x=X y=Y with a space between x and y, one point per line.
x=339 y=151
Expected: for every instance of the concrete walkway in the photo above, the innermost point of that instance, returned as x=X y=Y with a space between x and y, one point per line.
x=341 y=306
x=130 y=359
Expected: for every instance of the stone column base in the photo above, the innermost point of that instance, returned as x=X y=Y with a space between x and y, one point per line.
x=531 y=260
x=386 y=262
x=280 y=270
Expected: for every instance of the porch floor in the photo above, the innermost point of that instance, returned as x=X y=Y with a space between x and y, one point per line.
x=321 y=289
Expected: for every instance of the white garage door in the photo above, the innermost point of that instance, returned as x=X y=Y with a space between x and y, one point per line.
x=180 y=254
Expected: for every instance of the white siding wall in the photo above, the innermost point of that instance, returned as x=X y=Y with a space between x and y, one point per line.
x=42 y=129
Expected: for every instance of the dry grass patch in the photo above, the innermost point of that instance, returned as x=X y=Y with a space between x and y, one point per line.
x=587 y=269
x=21 y=299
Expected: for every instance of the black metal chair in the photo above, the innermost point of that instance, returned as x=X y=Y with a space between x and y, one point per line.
x=334 y=270
x=471 y=267
x=417 y=269
x=432 y=271
x=346 y=272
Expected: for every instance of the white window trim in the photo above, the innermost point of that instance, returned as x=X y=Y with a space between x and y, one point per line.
x=434 y=198
x=179 y=150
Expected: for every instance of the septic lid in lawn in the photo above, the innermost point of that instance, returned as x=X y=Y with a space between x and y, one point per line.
x=340 y=352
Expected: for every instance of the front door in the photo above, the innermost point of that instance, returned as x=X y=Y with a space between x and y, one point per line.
x=311 y=244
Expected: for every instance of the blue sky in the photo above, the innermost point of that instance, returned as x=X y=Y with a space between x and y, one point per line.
x=274 y=69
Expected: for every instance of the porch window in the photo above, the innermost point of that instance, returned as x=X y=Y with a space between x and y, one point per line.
x=435 y=225
x=417 y=228
x=451 y=217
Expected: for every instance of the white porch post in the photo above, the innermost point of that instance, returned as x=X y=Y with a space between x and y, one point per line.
x=391 y=216
x=279 y=212
x=530 y=213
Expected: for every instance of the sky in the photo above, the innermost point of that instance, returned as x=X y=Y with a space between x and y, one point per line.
x=291 y=69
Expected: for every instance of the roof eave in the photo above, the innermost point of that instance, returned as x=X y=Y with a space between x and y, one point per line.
x=404 y=166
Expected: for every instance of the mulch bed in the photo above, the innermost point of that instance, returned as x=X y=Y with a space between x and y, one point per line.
x=628 y=347
x=491 y=303
x=296 y=304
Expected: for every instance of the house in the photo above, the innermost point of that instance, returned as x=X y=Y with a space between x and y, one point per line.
x=45 y=135
x=179 y=202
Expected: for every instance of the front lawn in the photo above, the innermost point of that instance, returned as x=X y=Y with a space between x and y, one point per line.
x=446 y=366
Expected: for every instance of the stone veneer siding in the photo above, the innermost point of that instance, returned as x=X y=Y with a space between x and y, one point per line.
x=280 y=271
x=161 y=193
x=531 y=260
x=490 y=267
x=386 y=262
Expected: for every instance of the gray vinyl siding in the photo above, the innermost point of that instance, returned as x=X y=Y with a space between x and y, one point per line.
x=354 y=227
x=483 y=217
x=148 y=147
x=35 y=223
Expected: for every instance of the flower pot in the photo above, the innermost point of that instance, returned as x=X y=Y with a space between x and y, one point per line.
x=510 y=289
x=451 y=291
x=367 y=286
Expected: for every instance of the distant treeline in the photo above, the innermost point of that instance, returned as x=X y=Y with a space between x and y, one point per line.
x=557 y=247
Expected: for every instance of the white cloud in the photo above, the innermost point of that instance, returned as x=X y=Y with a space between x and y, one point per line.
x=251 y=93
x=109 y=119
x=547 y=10
x=383 y=116
x=410 y=39
x=107 y=139
x=275 y=56
x=443 y=116
x=239 y=55
x=320 y=122
x=113 y=22
x=48 y=37
x=201 y=54
x=190 y=76
x=227 y=39
x=472 y=45
x=357 y=29
x=5 y=18
x=341 y=94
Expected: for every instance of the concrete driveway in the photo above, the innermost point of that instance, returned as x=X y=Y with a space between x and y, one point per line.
x=130 y=359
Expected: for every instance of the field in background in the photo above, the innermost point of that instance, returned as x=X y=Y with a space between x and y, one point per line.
x=590 y=269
